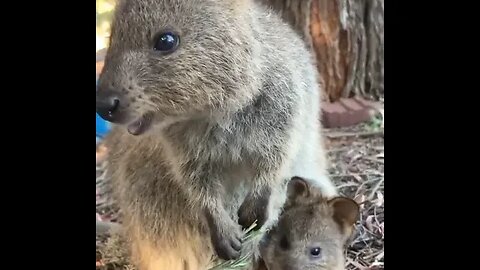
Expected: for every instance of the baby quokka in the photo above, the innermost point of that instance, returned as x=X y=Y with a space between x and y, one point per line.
x=312 y=230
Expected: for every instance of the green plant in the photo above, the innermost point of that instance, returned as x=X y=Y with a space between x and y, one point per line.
x=245 y=260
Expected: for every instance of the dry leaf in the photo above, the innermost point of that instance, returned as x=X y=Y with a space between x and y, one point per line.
x=379 y=257
x=357 y=177
x=369 y=223
x=381 y=229
x=360 y=199
x=379 y=201
x=356 y=264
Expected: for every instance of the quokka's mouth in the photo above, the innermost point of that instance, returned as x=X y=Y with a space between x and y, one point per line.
x=141 y=124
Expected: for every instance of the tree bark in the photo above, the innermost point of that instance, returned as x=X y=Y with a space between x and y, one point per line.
x=346 y=37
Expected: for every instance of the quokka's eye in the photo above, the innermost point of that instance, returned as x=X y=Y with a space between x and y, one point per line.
x=166 y=42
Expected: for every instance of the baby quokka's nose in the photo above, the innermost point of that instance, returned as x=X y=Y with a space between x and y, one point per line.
x=108 y=104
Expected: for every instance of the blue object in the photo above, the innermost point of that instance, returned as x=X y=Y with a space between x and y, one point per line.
x=103 y=127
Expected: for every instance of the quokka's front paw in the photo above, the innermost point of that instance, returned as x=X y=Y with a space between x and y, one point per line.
x=253 y=208
x=226 y=238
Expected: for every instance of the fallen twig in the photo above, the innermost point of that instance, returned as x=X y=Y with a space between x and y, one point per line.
x=375 y=160
x=353 y=175
x=335 y=135
x=375 y=188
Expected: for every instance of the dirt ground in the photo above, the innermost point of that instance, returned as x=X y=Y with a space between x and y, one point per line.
x=356 y=157
x=357 y=167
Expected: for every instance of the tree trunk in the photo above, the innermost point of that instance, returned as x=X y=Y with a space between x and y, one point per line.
x=346 y=37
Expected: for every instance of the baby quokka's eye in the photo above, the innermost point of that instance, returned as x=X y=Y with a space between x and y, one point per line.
x=166 y=42
x=315 y=252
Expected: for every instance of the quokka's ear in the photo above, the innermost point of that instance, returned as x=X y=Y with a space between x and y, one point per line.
x=345 y=212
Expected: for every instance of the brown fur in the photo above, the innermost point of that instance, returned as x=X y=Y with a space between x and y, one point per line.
x=188 y=252
x=234 y=113
x=310 y=220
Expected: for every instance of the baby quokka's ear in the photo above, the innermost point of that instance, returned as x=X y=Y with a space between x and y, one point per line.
x=298 y=188
x=345 y=213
